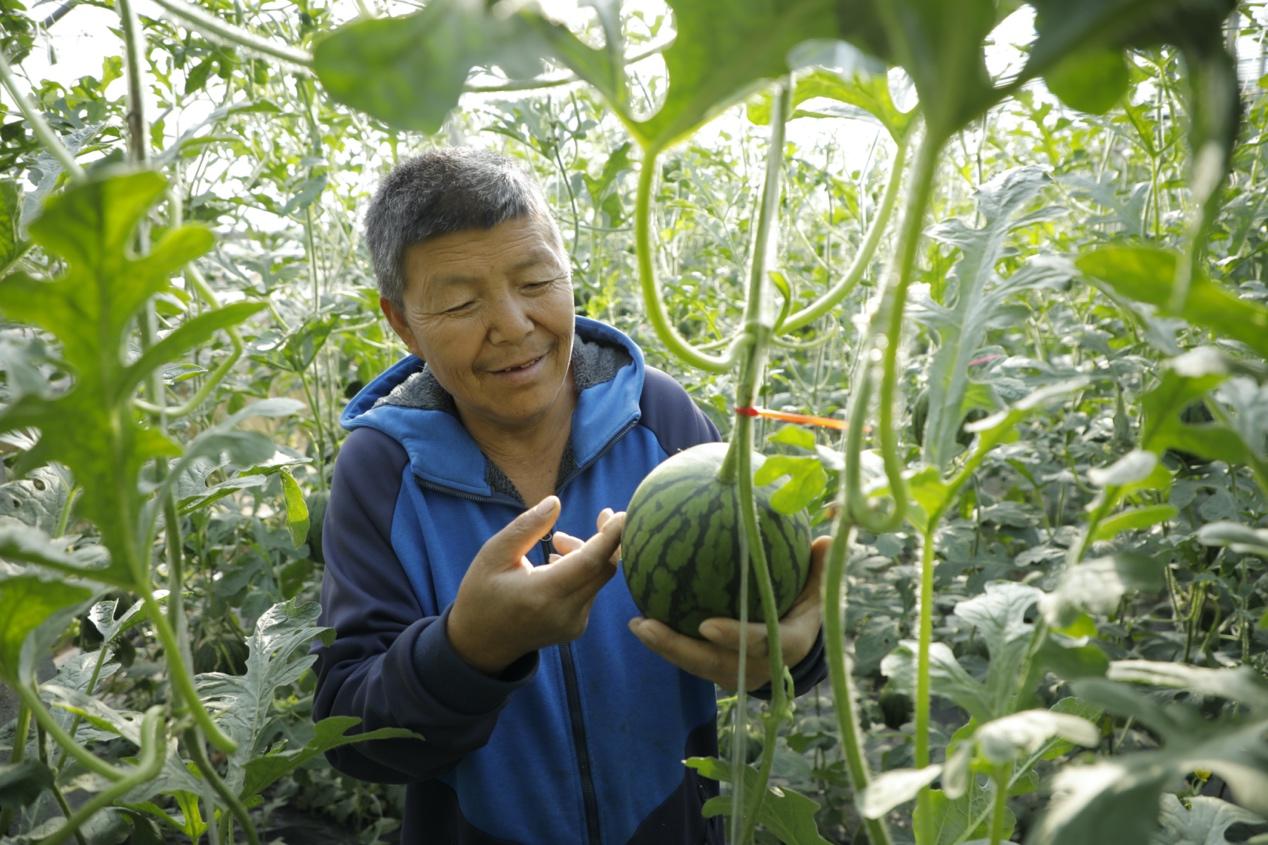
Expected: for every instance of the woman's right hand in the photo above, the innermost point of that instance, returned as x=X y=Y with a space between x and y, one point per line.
x=506 y=607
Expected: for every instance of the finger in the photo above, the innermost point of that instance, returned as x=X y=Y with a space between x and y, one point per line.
x=565 y=543
x=726 y=634
x=811 y=596
x=590 y=566
x=602 y=518
x=698 y=657
x=507 y=548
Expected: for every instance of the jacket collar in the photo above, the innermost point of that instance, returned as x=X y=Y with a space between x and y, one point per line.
x=406 y=403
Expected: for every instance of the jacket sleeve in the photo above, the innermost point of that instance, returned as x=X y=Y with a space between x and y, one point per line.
x=678 y=424
x=390 y=663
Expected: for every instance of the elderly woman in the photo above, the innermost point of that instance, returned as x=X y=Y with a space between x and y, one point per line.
x=458 y=614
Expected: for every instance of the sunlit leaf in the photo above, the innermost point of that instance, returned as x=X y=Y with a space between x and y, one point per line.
x=296 y=509
x=1096 y=586
x=723 y=49
x=1133 y=519
x=409 y=71
x=1240 y=684
x=1006 y=739
x=1133 y=467
x=869 y=92
x=894 y=787
x=1240 y=538
x=1091 y=80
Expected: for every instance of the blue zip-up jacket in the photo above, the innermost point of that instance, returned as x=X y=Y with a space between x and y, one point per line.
x=577 y=743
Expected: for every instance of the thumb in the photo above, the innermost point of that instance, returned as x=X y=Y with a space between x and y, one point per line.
x=510 y=544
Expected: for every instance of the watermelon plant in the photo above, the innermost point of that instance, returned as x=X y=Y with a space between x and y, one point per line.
x=1053 y=559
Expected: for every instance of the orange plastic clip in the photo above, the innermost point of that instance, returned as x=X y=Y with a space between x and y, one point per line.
x=800 y=419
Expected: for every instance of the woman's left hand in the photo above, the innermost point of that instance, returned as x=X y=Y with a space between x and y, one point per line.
x=716 y=657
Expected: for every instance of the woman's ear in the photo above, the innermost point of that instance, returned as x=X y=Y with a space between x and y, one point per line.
x=396 y=319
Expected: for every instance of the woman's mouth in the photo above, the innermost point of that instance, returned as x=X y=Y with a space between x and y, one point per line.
x=519 y=368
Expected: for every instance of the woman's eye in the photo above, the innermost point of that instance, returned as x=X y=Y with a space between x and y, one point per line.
x=458 y=309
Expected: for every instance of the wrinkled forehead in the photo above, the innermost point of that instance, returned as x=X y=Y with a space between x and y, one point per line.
x=526 y=244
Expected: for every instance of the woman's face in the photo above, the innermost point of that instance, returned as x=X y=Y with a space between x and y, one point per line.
x=491 y=312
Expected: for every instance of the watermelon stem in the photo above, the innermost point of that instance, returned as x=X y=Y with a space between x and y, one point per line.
x=839 y=667
x=881 y=353
x=737 y=468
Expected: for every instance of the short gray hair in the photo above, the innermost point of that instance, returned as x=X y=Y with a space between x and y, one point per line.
x=439 y=192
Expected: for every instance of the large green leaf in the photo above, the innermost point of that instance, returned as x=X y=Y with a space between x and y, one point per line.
x=954 y=821
x=947 y=677
x=28 y=603
x=1147 y=274
x=999 y=615
x=409 y=71
x=1205 y=821
x=942 y=47
x=973 y=299
x=722 y=49
x=1093 y=80
x=869 y=92
x=22 y=783
x=1241 y=684
x=328 y=734
x=277 y=656
x=1116 y=800
x=91 y=309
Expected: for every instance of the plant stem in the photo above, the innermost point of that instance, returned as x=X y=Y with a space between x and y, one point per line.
x=181 y=679
x=1000 y=777
x=213 y=27
x=47 y=137
x=153 y=752
x=194 y=744
x=738 y=467
x=884 y=342
x=18 y=753
x=654 y=303
x=54 y=788
x=45 y=720
x=863 y=258
x=923 y=689
x=839 y=666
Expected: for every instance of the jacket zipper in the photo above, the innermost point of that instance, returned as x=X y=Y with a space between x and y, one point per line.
x=607 y=447
x=576 y=722
x=572 y=687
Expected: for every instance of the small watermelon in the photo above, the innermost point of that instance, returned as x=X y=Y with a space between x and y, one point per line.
x=681 y=543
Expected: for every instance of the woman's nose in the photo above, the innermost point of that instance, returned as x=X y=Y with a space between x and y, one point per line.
x=508 y=320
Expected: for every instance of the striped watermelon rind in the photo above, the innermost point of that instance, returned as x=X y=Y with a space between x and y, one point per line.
x=681 y=543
